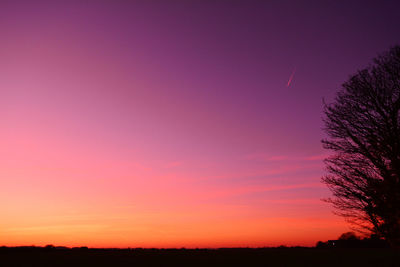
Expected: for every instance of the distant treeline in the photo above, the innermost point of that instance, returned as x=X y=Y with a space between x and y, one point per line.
x=350 y=243
x=354 y=243
x=139 y=249
x=60 y=256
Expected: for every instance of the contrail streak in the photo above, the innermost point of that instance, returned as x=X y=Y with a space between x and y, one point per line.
x=291 y=78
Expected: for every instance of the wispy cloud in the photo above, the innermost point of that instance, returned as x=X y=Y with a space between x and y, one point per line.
x=246 y=190
x=173 y=164
x=56 y=228
x=315 y=157
x=265 y=157
x=271 y=158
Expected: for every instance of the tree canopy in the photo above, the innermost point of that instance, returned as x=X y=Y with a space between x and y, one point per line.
x=363 y=132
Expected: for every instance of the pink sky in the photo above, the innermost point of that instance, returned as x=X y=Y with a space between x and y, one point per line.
x=166 y=125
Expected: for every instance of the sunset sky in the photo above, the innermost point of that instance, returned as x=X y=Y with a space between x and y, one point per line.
x=174 y=123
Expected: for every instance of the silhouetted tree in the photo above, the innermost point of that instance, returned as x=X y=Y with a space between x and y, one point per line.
x=363 y=129
x=321 y=244
x=348 y=236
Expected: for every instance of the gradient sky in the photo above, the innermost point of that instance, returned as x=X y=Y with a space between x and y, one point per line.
x=171 y=123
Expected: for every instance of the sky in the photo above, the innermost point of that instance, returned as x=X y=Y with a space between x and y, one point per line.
x=174 y=123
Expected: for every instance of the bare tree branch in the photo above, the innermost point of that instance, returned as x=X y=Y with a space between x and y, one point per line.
x=363 y=133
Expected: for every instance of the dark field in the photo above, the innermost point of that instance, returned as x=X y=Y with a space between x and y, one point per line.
x=199 y=257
